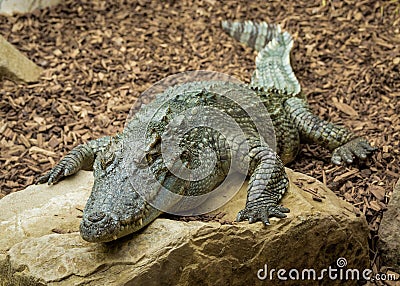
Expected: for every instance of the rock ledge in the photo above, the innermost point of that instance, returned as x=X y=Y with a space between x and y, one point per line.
x=40 y=243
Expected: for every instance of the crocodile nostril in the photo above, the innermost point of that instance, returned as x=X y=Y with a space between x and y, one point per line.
x=96 y=216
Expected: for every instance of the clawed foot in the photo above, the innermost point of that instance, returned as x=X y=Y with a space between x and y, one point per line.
x=262 y=213
x=56 y=174
x=356 y=148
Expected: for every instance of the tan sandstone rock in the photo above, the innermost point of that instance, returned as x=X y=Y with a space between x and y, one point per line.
x=9 y=7
x=389 y=232
x=15 y=66
x=40 y=243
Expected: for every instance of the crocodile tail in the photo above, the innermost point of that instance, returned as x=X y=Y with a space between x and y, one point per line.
x=273 y=68
x=255 y=35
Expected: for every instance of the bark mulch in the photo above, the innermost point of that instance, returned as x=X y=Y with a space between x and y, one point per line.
x=99 y=56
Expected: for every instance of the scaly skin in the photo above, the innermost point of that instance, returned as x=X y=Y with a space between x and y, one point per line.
x=118 y=207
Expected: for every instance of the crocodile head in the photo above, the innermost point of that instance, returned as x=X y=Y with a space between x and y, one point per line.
x=114 y=209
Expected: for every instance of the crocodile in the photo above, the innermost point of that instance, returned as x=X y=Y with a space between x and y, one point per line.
x=124 y=199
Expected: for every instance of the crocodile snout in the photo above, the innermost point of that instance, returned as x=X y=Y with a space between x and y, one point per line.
x=99 y=227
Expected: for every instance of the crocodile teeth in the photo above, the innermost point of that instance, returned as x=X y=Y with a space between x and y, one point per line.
x=141 y=221
x=115 y=237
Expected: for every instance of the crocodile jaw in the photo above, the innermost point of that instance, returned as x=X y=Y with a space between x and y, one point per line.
x=111 y=227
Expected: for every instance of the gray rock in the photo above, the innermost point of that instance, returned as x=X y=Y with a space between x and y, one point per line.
x=9 y=7
x=15 y=66
x=40 y=243
x=389 y=232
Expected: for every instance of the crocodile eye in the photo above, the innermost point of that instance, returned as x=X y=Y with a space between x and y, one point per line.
x=107 y=159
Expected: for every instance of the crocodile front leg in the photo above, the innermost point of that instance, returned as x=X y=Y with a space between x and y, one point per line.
x=81 y=157
x=344 y=144
x=267 y=184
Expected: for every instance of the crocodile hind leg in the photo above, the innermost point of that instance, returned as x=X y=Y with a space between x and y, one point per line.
x=80 y=158
x=267 y=184
x=344 y=144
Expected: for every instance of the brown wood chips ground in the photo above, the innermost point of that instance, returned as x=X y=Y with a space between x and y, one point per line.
x=99 y=56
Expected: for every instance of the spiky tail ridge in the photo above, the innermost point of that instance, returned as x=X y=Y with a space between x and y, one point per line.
x=273 y=69
x=255 y=35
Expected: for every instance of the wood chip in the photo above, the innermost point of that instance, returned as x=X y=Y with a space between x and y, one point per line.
x=24 y=141
x=346 y=108
x=35 y=149
x=346 y=175
x=122 y=108
x=377 y=191
x=53 y=142
x=61 y=109
x=375 y=206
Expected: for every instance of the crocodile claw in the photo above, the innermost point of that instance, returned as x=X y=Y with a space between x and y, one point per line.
x=262 y=213
x=356 y=148
x=54 y=175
